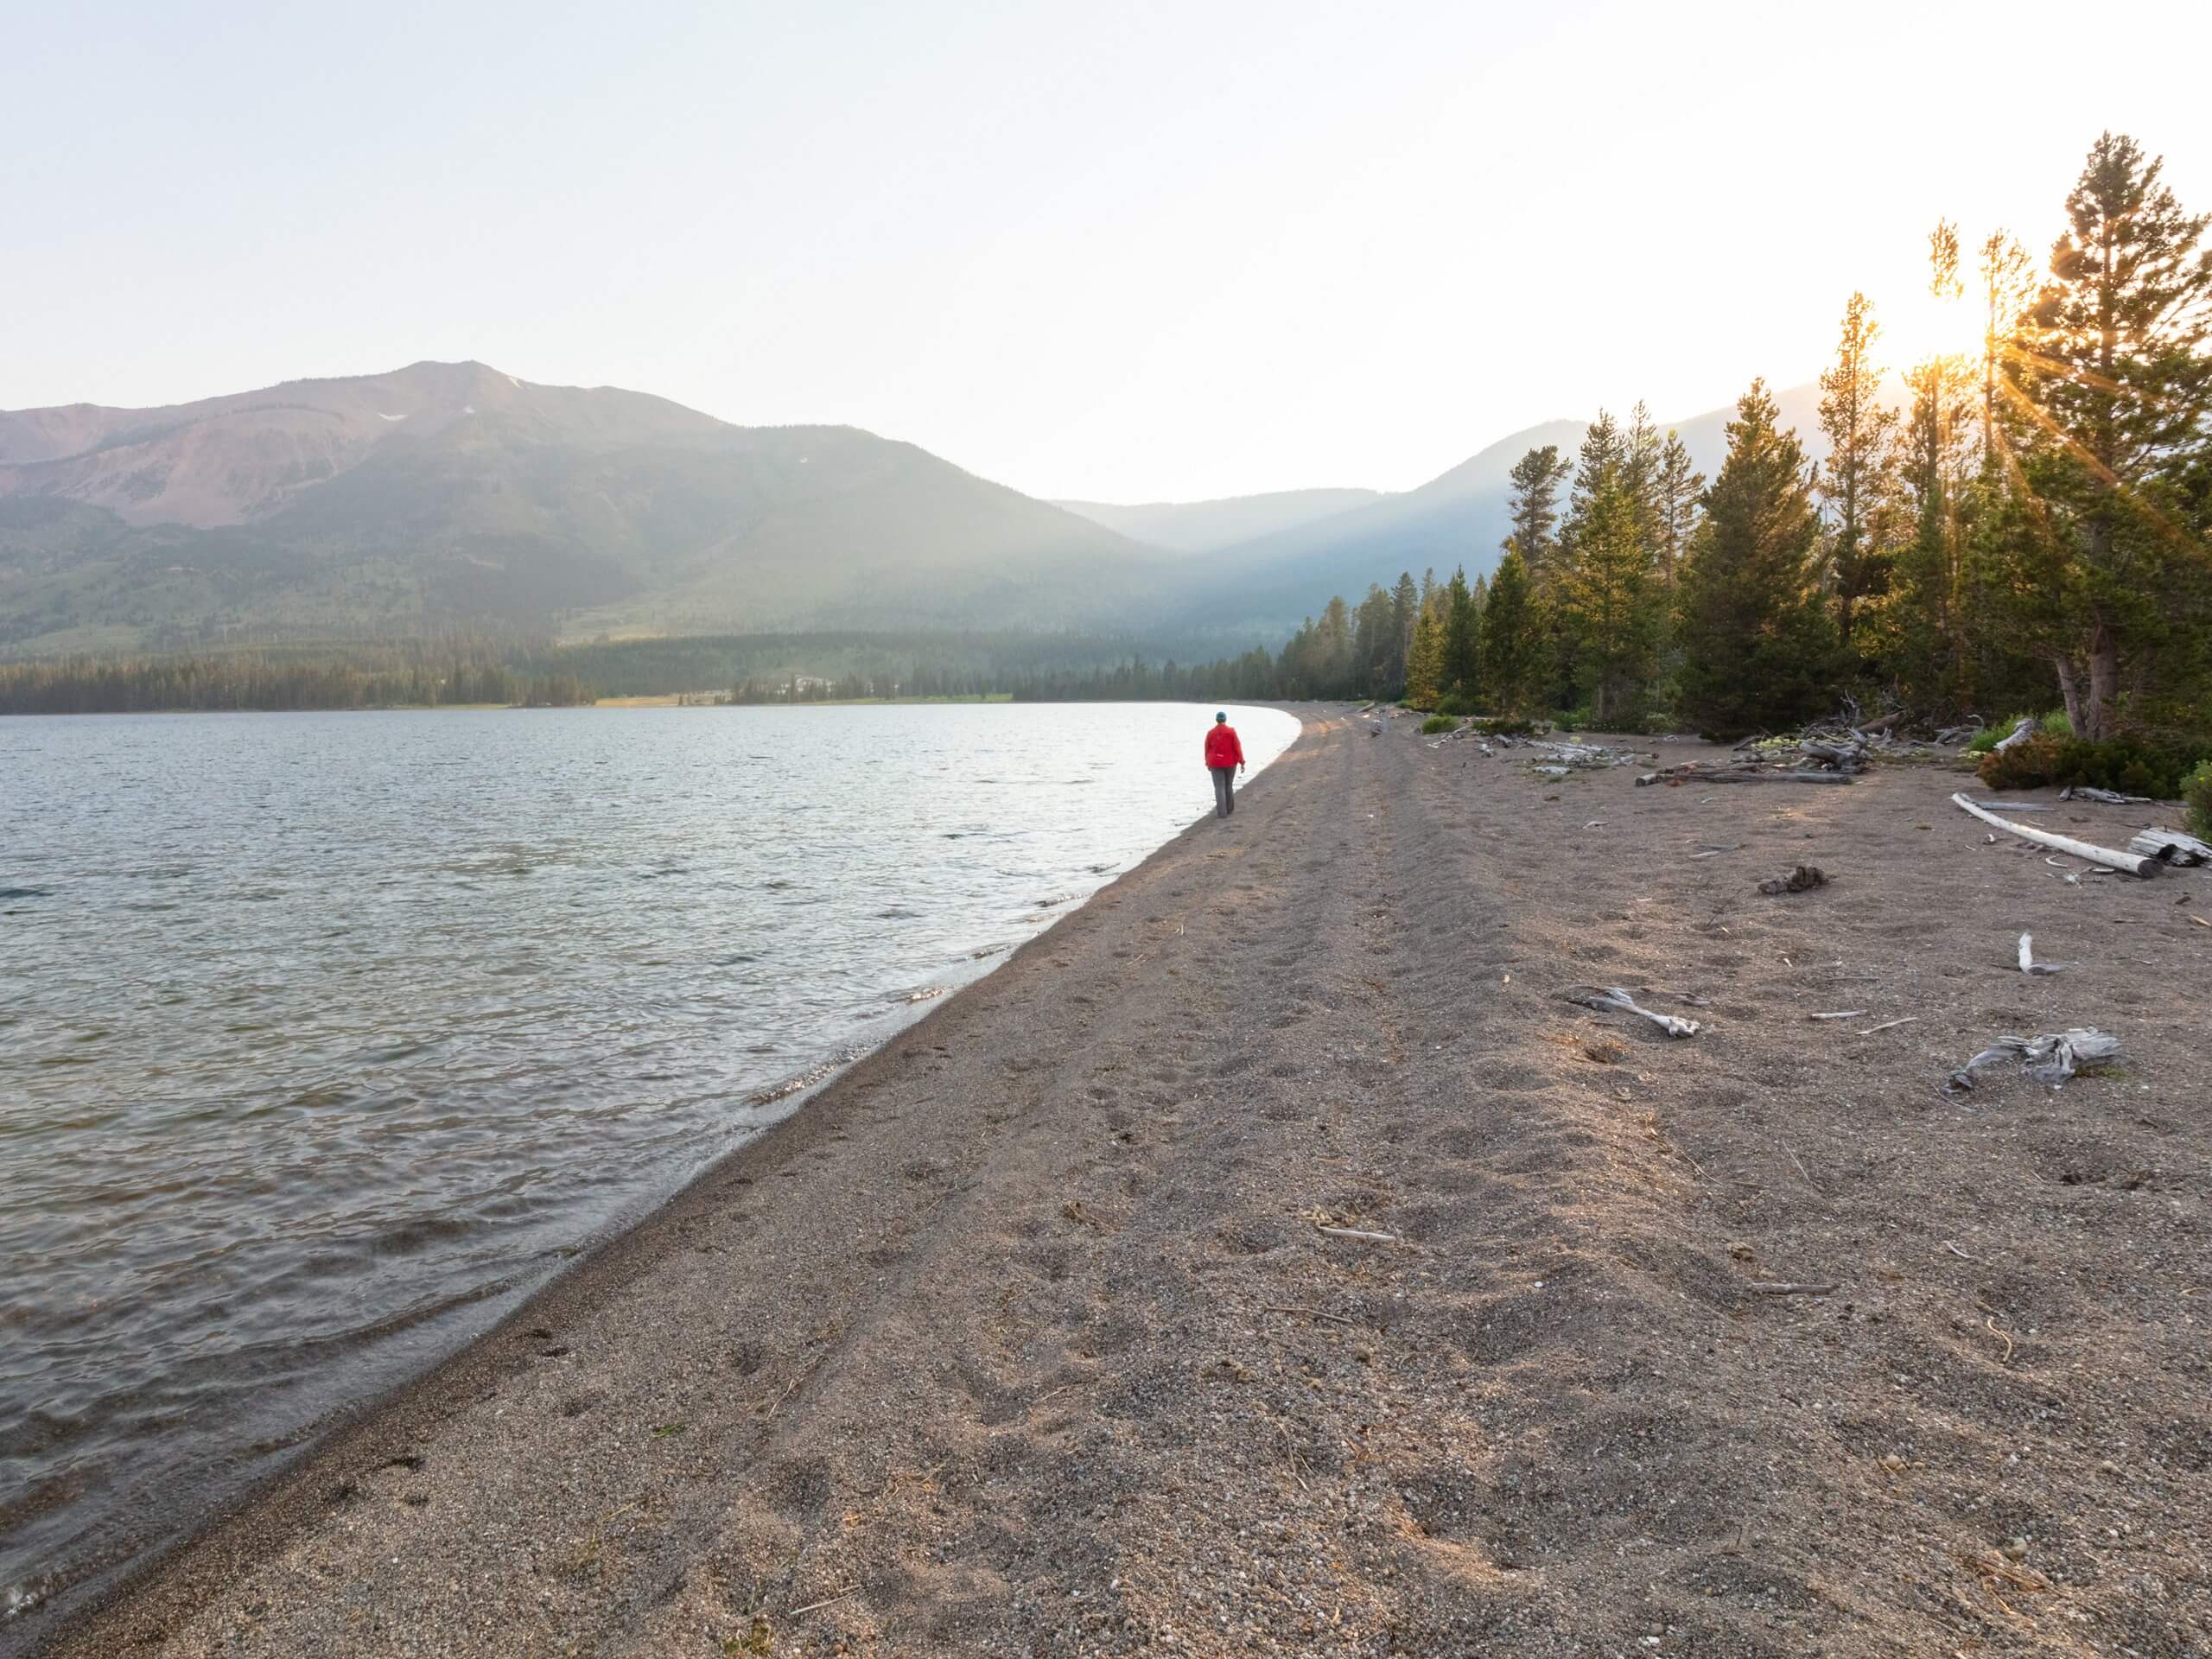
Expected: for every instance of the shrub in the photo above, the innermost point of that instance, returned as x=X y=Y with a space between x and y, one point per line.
x=1436 y=723
x=2028 y=764
x=2056 y=724
x=1454 y=702
x=2126 y=764
x=2196 y=795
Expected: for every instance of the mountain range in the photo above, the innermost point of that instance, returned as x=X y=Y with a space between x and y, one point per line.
x=450 y=495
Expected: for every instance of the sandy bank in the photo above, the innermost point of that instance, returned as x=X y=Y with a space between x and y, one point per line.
x=1024 y=1336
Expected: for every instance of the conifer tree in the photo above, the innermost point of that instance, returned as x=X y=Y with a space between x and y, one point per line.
x=1405 y=608
x=1512 y=646
x=1533 y=505
x=1757 y=647
x=1930 y=651
x=2112 y=429
x=1607 y=597
x=1857 y=483
x=1461 y=669
x=1674 y=497
x=1424 y=663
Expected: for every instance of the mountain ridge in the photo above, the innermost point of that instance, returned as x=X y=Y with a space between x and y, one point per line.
x=455 y=493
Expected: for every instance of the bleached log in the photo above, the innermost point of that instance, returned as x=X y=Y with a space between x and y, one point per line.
x=2171 y=846
x=2133 y=863
x=2019 y=734
x=1773 y=777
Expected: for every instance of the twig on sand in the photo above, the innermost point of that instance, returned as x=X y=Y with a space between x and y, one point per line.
x=1842 y=1013
x=1992 y=1323
x=1356 y=1232
x=1962 y=1255
x=1315 y=1313
x=1789 y=1287
x=1793 y=1159
x=816 y=1606
x=1891 y=1025
x=780 y=1398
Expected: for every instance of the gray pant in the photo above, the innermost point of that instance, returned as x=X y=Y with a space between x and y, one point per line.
x=1224 y=790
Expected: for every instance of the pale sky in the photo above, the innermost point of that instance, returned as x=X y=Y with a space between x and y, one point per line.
x=1126 y=251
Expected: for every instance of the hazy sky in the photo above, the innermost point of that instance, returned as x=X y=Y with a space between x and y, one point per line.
x=1131 y=252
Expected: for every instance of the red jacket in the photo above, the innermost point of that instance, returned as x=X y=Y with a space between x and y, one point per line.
x=1222 y=747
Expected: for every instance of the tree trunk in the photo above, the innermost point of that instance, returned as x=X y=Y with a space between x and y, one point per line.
x=2069 y=692
x=2104 y=687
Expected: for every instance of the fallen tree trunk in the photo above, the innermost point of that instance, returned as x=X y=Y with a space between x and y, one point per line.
x=2133 y=863
x=1771 y=777
x=2171 y=846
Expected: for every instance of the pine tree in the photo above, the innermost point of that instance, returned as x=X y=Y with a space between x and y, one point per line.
x=1533 y=505
x=1929 y=654
x=2113 y=429
x=1424 y=663
x=1461 y=668
x=1857 y=484
x=1674 y=498
x=1405 y=610
x=1607 y=597
x=1757 y=647
x=1512 y=641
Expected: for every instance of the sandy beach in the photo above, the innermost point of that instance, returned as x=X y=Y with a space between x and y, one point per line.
x=1268 y=1260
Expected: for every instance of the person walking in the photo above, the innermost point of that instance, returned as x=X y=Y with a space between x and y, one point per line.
x=1224 y=759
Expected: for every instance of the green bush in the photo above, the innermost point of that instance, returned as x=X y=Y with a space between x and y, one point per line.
x=2056 y=724
x=2128 y=765
x=1436 y=723
x=2196 y=796
x=2030 y=764
x=1454 y=702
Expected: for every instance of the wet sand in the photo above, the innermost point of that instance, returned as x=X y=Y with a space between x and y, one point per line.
x=1026 y=1335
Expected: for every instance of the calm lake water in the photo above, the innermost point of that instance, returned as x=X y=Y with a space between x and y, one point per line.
x=325 y=1038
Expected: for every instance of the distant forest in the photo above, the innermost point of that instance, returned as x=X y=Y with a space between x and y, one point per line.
x=2031 y=531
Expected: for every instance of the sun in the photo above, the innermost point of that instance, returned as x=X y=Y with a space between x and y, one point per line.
x=1918 y=325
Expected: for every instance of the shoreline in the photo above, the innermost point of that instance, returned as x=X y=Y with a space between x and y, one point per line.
x=269 y=1509
x=1267 y=1258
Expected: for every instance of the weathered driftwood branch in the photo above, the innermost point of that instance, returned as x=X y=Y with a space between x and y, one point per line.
x=1772 y=777
x=2133 y=863
x=2019 y=734
x=2171 y=846
x=1781 y=1288
x=1616 y=1000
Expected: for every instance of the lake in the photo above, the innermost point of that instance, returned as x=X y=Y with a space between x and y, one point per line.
x=324 y=1039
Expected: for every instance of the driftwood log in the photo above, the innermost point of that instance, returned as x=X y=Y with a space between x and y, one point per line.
x=2133 y=863
x=2171 y=846
x=2019 y=734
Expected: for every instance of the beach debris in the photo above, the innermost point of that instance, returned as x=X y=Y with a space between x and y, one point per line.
x=1360 y=1233
x=1889 y=1025
x=1697 y=771
x=1843 y=1014
x=1791 y=1287
x=2020 y=735
x=2133 y=863
x=1802 y=879
x=2011 y=806
x=2105 y=796
x=2052 y=1058
x=1615 y=1000
x=2028 y=964
x=2171 y=846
